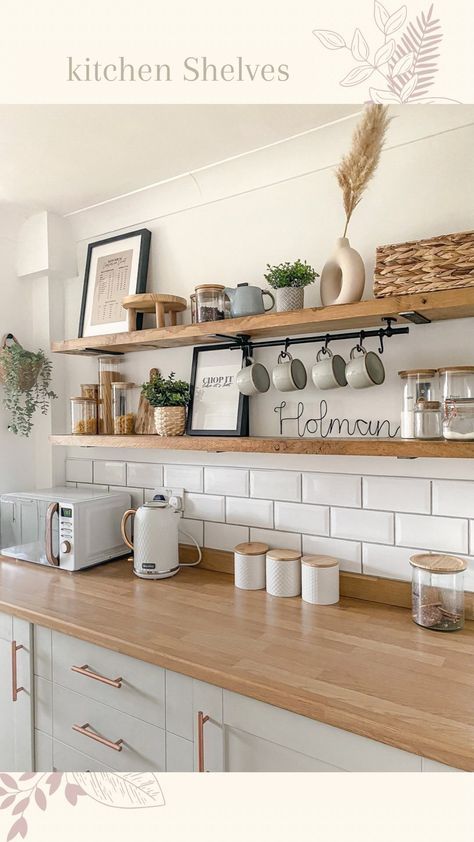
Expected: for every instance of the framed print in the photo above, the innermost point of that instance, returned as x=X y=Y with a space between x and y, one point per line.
x=115 y=267
x=217 y=407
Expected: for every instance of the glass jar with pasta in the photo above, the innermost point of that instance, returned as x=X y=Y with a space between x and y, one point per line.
x=125 y=398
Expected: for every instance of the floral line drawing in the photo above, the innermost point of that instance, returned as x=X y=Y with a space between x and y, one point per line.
x=123 y=790
x=406 y=67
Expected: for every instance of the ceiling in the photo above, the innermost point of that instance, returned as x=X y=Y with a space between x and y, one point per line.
x=66 y=157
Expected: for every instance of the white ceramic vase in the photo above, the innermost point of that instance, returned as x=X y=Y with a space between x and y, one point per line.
x=343 y=276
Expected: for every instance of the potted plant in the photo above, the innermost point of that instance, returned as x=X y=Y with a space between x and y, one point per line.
x=26 y=377
x=289 y=281
x=170 y=398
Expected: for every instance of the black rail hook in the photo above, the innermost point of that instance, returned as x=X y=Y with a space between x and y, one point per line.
x=284 y=353
x=381 y=336
x=361 y=341
x=326 y=343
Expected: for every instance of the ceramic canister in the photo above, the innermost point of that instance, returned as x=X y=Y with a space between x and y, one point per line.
x=283 y=572
x=249 y=565
x=320 y=579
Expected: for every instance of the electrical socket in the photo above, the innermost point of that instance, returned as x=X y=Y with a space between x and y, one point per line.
x=167 y=493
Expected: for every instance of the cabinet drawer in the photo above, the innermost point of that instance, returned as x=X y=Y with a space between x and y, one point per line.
x=143 y=747
x=142 y=690
x=67 y=759
x=247 y=753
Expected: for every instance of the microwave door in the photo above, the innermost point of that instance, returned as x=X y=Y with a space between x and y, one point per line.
x=24 y=530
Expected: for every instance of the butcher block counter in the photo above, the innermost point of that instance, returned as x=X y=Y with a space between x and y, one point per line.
x=359 y=666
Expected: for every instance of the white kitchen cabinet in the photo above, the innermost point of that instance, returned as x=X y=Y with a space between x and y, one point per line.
x=208 y=736
x=16 y=708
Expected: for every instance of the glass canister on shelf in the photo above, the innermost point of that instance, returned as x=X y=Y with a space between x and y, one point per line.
x=83 y=416
x=210 y=302
x=109 y=372
x=458 y=419
x=457 y=381
x=417 y=383
x=438 y=591
x=428 y=420
x=125 y=397
x=192 y=299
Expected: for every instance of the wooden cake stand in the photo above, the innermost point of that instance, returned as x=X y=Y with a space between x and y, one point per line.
x=153 y=302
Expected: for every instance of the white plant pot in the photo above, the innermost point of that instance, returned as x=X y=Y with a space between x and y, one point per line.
x=289 y=298
x=343 y=276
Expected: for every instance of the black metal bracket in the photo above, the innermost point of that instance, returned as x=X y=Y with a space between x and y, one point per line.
x=103 y=352
x=415 y=318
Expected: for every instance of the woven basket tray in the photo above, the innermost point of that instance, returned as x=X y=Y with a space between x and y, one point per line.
x=425 y=265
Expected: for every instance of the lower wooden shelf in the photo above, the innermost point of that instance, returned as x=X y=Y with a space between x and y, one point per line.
x=400 y=448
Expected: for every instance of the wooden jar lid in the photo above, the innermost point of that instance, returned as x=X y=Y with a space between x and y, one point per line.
x=438 y=563
x=251 y=548
x=418 y=372
x=284 y=555
x=456 y=368
x=210 y=286
x=319 y=561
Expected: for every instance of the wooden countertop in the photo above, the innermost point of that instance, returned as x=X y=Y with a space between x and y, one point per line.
x=357 y=665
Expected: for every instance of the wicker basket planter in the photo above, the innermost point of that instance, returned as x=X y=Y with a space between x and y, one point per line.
x=439 y=263
x=170 y=420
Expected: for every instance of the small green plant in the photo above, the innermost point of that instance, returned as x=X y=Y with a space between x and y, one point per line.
x=161 y=391
x=295 y=274
x=26 y=378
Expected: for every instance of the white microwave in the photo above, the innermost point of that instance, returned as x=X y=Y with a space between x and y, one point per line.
x=67 y=528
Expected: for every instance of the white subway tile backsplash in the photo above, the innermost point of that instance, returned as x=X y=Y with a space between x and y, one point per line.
x=192 y=527
x=136 y=494
x=301 y=517
x=189 y=477
x=224 y=536
x=348 y=552
x=277 y=540
x=110 y=473
x=79 y=470
x=145 y=474
x=397 y=494
x=332 y=489
x=387 y=562
x=449 y=535
x=455 y=499
x=204 y=507
x=276 y=485
x=362 y=525
x=231 y=481
x=249 y=512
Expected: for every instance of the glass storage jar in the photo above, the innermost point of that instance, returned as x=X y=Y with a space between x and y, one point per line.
x=418 y=383
x=458 y=419
x=192 y=299
x=210 y=302
x=83 y=416
x=125 y=398
x=428 y=421
x=109 y=372
x=457 y=381
x=438 y=591
x=90 y=390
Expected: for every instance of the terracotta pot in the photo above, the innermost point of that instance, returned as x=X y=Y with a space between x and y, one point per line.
x=343 y=276
x=170 y=420
x=289 y=298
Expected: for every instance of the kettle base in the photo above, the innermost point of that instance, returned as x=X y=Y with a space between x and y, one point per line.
x=153 y=575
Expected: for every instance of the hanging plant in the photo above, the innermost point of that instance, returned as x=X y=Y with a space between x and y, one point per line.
x=26 y=377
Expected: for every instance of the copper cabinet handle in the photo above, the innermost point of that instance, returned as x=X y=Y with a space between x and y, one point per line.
x=15 y=690
x=201 y=722
x=53 y=508
x=85 y=670
x=82 y=729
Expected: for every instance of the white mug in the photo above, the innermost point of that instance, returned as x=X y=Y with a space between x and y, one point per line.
x=289 y=374
x=330 y=372
x=364 y=371
x=253 y=378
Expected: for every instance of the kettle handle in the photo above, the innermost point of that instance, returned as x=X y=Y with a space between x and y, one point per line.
x=266 y=292
x=123 y=526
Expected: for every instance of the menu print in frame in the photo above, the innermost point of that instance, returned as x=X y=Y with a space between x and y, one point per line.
x=217 y=408
x=115 y=267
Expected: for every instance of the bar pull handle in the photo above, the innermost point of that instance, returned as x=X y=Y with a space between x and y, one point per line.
x=83 y=729
x=53 y=508
x=85 y=670
x=15 y=689
x=201 y=721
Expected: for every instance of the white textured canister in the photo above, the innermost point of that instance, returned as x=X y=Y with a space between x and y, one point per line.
x=249 y=565
x=283 y=573
x=320 y=579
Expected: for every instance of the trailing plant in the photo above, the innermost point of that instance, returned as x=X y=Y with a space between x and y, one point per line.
x=162 y=391
x=294 y=275
x=26 y=379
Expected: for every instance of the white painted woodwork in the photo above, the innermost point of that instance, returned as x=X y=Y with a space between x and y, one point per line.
x=43 y=752
x=248 y=753
x=16 y=718
x=179 y=754
x=67 y=759
x=179 y=705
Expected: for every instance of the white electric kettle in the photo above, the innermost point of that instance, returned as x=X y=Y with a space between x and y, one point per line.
x=156 y=545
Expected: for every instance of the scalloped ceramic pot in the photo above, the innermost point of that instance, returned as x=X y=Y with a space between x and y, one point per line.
x=343 y=276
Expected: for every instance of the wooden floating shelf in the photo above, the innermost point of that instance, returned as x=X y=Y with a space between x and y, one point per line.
x=435 y=306
x=401 y=448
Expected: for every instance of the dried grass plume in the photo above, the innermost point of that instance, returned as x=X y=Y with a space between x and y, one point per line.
x=359 y=165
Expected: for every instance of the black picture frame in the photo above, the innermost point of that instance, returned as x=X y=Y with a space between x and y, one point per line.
x=242 y=426
x=141 y=275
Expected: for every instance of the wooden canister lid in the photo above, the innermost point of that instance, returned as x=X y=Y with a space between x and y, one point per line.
x=284 y=555
x=319 y=561
x=438 y=562
x=418 y=372
x=251 y=548
x=457 y=368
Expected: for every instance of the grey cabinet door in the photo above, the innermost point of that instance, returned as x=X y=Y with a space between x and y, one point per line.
x=16 y=715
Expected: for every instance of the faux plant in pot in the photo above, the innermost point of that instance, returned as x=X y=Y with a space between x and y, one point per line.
x=289 y=281
x=26 y=378
x=170 y=398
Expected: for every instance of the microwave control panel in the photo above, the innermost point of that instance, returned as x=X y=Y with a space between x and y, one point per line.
x=65 y=530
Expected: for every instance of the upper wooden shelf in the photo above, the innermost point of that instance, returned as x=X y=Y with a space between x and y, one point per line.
x=435 y=306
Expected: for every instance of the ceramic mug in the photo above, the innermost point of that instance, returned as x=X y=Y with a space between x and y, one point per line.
x=253 y=378
x=289 y=374
x=366 y=370
x=329 y=372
